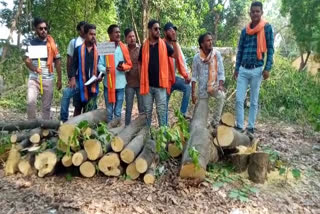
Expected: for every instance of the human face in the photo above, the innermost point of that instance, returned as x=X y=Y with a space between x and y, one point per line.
x=131 y=38
x=155 y=31
x=169 y=34
x=255 y=14
x=42 y=30
x=91 y=36
x=207 y=43
x=115 y=35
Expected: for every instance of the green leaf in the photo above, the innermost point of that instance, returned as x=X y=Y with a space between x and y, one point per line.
x=253 y=189
x=68 y=177
x=243 y=198
x=234 y=194
x=83 y=124
x=296 y=173
x=282 y=171
x=218 y=184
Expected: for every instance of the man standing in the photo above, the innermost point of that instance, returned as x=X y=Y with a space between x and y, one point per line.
x=42 y=74
x=84 y=66
x=115 y=66
x=154 y=81
x=208 y=72
x=256 y=39
x=133 y=76
x=70 y=90
x=180 y=65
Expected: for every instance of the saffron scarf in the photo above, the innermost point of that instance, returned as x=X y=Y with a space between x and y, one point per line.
x=94 y=87
x=52 y=52
x=111 y=77
x=261 y=37
x=163 y=67
x=211 y=60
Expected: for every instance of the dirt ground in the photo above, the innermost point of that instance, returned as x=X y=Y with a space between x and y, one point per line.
x=300 y=147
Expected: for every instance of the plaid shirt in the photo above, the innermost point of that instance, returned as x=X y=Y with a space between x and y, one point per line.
x=247 y=49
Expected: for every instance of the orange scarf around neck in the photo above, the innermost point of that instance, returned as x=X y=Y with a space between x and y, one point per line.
x=163 y=67
x=111 y=77
x=261 y=37
x=52 y=52
x=211 y=59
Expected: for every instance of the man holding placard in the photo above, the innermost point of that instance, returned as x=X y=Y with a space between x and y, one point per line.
x=41 y=57
x=85 y=69
x=114 y=65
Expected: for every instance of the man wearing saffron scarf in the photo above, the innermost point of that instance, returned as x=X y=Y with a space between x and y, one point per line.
x=133 y=76
x=84 y=66
x=45 y=71
x=208 y=72
x=154 y=81
x=70 y=91
x=179 y=78
x=115 y=66
x=256 y=39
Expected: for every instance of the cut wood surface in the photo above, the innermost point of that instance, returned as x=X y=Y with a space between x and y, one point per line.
x=79 y=157
x=93 y=117
x=65 y=132
x=19 y=136
x=45 y=162
x=229 y=137
x=150 y=177
x=11 y=166
x=145 y=158
x=130 y=152
x=128 y=133
x=173 y=150
x=108 y=161
x=88 y=169
x=132 y=172
x=67 y=160
x=30 y=124
x=113 y=171
x=35 y=135
x=258 y=167
x=93 y=149
x=228 y=119
x=26 y=163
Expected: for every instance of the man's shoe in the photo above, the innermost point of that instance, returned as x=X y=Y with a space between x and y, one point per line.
x=250 y=133
x=238 y=129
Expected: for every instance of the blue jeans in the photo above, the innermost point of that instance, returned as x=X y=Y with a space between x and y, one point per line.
x=160 y=96
x=252 y=77
x=185 y=88
x=129 y=96
x=114 y=109
x=67 y=94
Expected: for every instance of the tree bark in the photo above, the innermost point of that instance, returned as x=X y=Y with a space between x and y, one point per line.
x=258 y=167
x=79 y=157
x=30 y=124
x=229 y=137
x=145 y=18
x=93 y=117
x=240 y=162
x=146 y=157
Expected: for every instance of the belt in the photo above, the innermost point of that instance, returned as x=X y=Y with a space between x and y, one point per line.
x=249 y=66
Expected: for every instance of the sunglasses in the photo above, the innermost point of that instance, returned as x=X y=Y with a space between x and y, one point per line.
x=157 y=29
x=43 y=28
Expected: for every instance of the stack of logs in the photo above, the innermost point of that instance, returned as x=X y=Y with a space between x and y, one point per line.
x=49 y=145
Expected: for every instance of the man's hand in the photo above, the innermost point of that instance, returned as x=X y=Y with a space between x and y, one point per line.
x=265 y=74
x=194 y=99
x=188 y=79
x=120 y=68
x=235 y=75
x=38 y=70
x=59 y=84
x=72 y=82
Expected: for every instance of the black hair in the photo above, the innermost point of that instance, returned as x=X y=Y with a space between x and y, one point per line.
x=37 y=21
x=80 y=24
x=88 y=27
x=152 y=22
x=257 y=4
x=202 y=36
x=111 y=27
x=127 y=31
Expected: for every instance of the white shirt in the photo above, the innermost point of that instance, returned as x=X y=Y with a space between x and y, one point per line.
x=74 y=43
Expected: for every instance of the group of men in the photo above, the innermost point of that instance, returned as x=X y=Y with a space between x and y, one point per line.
x=151 y=71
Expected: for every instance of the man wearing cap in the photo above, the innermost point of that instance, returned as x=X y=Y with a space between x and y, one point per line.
x=177 y=70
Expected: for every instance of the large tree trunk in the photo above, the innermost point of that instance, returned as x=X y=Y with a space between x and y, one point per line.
x=200 y=142
x=230 y=138
x=93 y=117
x=303 y=62
x=12 y=28
x=145 y=18
x=30 y=124
x=134 y=22
x=129 y=132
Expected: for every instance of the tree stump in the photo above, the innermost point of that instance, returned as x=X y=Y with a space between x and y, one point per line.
x=258 y=167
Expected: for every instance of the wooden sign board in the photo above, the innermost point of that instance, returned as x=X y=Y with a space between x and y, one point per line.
x=37 y=51
x=106 y=48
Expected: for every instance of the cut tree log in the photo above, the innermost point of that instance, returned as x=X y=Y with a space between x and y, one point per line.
x=45 y=162
x=93 y=149
x=79 y=157
x=145 y=158
x=173 y=149
x=17 y=137
x=11 y=166
x=258 y=167
x=113 y=171
x=88 y=169
x=67 y=160
x=30 y=124
x=23 y=144
x=229 y=137
x=116 y=131
x=35 y=135
x=109 y=161
x=26 y=163
x=93 y=117
x=130 y=152
x=47 y=133
x=228 y=119
x=239 y=161
x=200 y=143
x=132 y=172
x=66 y=132
x=129 y=132
x=150 y=177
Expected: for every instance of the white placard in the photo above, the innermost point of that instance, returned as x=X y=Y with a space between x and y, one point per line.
x=37 y=51
x=106 y=48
